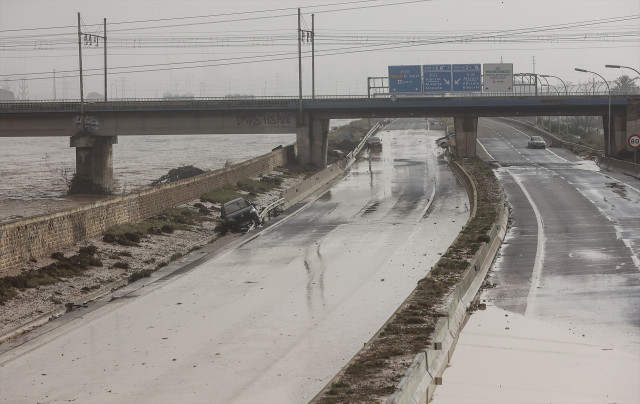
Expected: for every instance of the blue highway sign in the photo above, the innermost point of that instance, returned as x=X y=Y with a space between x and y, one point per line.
x=436 y=78
x=467 y=77
x=405 y=79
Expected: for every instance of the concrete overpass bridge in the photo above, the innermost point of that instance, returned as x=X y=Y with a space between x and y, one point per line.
x=95 y=126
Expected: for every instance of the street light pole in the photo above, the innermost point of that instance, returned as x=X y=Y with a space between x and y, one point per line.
x=556 y=77
x=565 y=93
x=542 y=90
x=609 y=118
x=623 y=67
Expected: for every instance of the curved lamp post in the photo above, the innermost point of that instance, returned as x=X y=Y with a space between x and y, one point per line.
x=622 y=67
x=556 y=77
x=609 y=118
x=542 y=90
x=565 y=93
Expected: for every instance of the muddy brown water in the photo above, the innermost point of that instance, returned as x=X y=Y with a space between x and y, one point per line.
x=33 y=170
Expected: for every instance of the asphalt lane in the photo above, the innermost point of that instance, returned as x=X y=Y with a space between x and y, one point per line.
x=572 y=252
x=274 y=318
x=566 y=285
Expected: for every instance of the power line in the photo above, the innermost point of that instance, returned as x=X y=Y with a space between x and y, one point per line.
x=49 y=44
x=291 y=9
x=252 y=59
x=391 y=41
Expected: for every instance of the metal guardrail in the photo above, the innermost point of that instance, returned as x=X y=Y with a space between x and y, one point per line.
x=363 y=142
x=273 y=208
x=556 y=140
x=608 y=163
x=267 y=101
x=620 y=166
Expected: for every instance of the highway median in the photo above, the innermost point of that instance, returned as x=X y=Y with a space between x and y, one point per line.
x=405 y=360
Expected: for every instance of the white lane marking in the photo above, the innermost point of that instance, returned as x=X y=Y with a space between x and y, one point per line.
x=624 y=183
x=561 y=158
x=430 y=200
x=627 y=243
x=515 y=149
x=485 y=150
x=524 y=134
x=540 y=250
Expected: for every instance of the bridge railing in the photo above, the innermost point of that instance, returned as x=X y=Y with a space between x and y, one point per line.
x=363 y=142
x=266 y=101
x=148 y=103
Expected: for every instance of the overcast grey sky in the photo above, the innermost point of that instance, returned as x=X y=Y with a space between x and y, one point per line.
x=217 y=47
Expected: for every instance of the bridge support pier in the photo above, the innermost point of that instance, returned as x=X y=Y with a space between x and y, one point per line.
x=618 y=141
x=466 y=128
x=632 y=122
x=312 y=139
x=94 y=164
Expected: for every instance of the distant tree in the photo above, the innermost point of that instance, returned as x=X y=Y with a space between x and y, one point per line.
x=171 y=96
x=95 y=96
x=624 y=85
x=240 y=96
x=6 y=95
x=24 y=89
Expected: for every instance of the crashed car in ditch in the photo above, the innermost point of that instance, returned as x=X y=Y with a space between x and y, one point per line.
x=374 y=143
x=445 y=141
x=239 y=213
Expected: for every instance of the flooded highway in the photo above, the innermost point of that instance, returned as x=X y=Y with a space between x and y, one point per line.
x=273 y=317
x=563 y=320
x=35 y=171
x=34 y=167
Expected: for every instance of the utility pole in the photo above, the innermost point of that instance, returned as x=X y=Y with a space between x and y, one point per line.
x=534 y=64
x=313 y=58
x=94 y=40
x=81 y=85
x=104 y=38
x=300 y=115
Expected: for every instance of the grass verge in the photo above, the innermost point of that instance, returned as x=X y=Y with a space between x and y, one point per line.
x=130 y=234
x=64 y=267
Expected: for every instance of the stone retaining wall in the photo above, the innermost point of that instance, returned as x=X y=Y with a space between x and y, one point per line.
x=38 y=237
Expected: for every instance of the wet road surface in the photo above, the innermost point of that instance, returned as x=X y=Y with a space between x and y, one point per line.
x=572 y=252
x=571 y=262
x=276 y=317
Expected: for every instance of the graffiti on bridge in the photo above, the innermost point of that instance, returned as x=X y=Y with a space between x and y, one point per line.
x=266 y=119
x=89 y=121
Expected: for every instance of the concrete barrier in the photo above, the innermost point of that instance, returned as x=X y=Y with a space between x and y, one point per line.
x=555 y=141
x=325 y=178
x=620 y=166
x=311 y=185
x=427 y=368
x=608 y=163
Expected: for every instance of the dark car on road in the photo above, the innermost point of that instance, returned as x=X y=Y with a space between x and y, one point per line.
x=374 y=143
x=239 y=213
x=536 y=142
